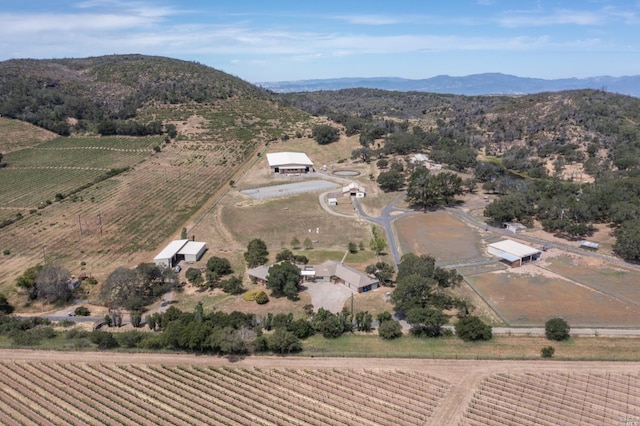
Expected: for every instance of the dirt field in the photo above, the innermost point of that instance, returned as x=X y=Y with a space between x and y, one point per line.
x=586 y=291
x=462 y=388
x=440 y=235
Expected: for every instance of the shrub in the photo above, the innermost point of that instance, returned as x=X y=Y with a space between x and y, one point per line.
x=390 y=329
x=547 y=352
x=5 y=306
x=472 y=328
x=6 y=252
x=82 y=311
x=251 y=295
x=103 y=339
x=66 y=323
x=556 y=329
x=262 y=298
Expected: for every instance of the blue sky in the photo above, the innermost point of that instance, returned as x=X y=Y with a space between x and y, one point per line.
x=291 y=40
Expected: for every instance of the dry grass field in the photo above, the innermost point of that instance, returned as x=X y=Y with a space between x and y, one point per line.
x=441 y=235
x=586 y=291
x=124 y=389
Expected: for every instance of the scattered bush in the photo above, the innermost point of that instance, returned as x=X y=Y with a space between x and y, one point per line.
x=262 y=298
x=251 y=295
x=547 y=352
x=6 y=252
x=103 y=339
x=390 y=329
x=82 y=311
x=66 y=323
x=557 y=329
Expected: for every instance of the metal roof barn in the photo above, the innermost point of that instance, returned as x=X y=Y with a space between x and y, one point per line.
x=289 y=162
x=513 y=252
x=192 y=251
x=168 y=256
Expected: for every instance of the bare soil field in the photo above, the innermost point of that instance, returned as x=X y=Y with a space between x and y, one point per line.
x=584 y=290
x=441 y=235
x=108 y=388
x=527 y=296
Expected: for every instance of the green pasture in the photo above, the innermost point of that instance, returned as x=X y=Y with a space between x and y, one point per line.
x=500 y=347
x=105 y=159
x=63 y=165
x=31 y=188
x=144 y=143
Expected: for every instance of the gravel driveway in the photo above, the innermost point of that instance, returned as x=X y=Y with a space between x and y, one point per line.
x=328 y=295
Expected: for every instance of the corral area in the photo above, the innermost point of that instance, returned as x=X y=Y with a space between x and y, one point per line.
x=586 y=291
x=159 y=389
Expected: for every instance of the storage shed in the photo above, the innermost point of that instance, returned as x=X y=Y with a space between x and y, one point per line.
x=193 y=251
x=289 y=162
x=332 y=201
x=514 y=227
x=514 y=253
x=177 y=250
x=168 y=257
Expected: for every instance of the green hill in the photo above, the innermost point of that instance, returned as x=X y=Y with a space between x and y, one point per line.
x=69 y=95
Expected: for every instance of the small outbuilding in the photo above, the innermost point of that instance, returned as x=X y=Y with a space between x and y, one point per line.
x=514 y=253
x=332 y=201
x=589 y=245
x=289 y=162
x=514 y=227
x=353 y=190
x=193 y=251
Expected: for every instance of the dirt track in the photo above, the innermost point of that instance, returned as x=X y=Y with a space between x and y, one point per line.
x=464 y=375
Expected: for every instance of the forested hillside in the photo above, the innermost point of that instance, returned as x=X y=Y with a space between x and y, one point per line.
x=570 y=160
x=67 y=95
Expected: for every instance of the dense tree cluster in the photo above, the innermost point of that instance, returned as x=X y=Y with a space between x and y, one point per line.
x=325 y=134
x=426 y=190
x=422 y=293
x=256 y=254
x=134 y=288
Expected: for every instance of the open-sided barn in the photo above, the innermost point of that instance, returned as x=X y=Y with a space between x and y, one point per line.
x=513 y=252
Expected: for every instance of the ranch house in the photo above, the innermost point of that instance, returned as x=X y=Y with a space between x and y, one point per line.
x=514 y=253
x=327 y=272
x=289 y=163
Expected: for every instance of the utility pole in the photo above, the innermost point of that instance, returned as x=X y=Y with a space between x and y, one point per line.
x=100 y=222
x=80 y=224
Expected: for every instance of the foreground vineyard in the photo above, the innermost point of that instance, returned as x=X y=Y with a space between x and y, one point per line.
x=94 y=394
x=556 y=399
x=39 y=388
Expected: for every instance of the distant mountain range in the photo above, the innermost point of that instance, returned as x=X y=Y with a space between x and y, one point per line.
x=476 y=84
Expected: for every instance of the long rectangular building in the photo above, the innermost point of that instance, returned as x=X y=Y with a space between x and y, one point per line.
x=513 y=252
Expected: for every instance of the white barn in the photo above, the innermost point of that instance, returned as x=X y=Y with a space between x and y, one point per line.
x=289 y=162
x=513 y=252
x=192 y=251
x=178 y=250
